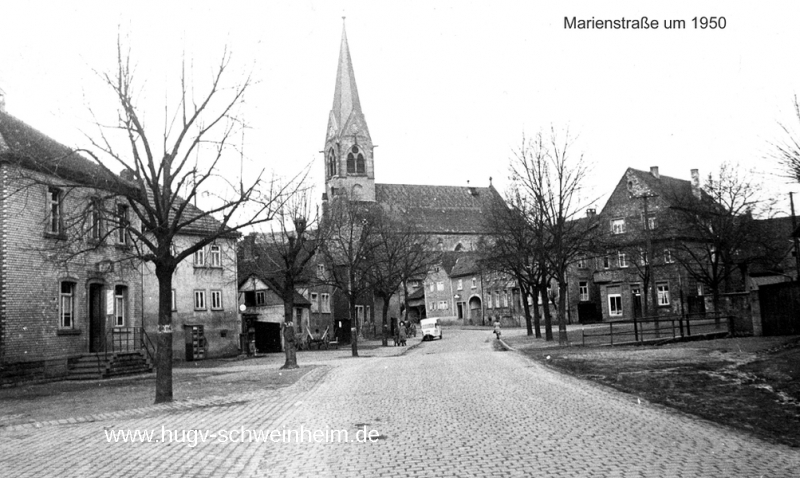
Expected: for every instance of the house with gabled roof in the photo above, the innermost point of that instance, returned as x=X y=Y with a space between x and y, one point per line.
x=66 y=283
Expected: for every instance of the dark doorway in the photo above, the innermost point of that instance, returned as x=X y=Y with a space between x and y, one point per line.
x=780 y=308
x=588 y=313
x=96 y=322
x=697 y=305
x=268 y=337
x=636 y=293
x=343 y=331
x=460 y=307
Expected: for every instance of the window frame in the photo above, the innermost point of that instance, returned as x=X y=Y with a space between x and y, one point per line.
x=261 y=298
x=611 y=310
x=216 y=295
x=123 y=223
x=583 y=291
x=622 y=259
x=474 y=283
x=201 y=254
x=325 y=303
x=120 y=305
x=55 y=209
x=215 y=256
x=439 y=286
x=71 y=297
x=200 y=304
x=662 y=294
x=668 y=259
x=460 y=285
x=618 y=226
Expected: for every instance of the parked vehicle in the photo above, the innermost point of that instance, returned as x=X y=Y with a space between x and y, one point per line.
x=430 y=329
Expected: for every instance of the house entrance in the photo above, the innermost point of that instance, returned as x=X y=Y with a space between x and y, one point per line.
x=96 y=319
x=268 y=337
x=475 y=312
x=460 y=308
x=636 y=293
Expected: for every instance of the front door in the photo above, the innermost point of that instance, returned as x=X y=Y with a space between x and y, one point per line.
x=460 y=307
x=96 y=322
x=637 y=302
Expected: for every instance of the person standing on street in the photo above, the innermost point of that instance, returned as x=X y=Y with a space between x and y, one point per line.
x=497 y=328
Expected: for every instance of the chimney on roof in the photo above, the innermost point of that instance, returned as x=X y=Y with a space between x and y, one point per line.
x=127 y=175
x=654 y=171
x=472 y=190
x=591 y=212
x=696 y=183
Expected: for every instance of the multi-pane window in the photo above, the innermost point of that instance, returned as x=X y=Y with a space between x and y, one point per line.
x=261 y=297
x=200 y=300
x=582 y=262
x=460 y=284
x=663 y=293
x=431 y=286
x=325 y=303
x=443 y=305
x=331 y=163
x=623 y=259
x=54 y=222
x=474 y=282
x=123 y=223
x=215 y=256
x=497 y=299
x=67 y=305
x=321 y=271
x=120 y=305
x=651 y=222
x=216 y=300
x=314 y=302
x=432 y=306
x=489 y=300
x=617 y=226
x=505 y=298
x=200 y=257
x=583 y=290
x=614 y=305
x=606 y=262
x=440 y=286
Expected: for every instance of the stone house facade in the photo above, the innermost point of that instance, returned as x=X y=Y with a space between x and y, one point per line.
x=65 y=278
x=264 y=313
x=205 y=315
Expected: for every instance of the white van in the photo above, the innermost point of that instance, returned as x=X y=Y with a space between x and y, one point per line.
x=430 y=329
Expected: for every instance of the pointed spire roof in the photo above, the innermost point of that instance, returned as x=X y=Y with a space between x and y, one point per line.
x=345 y=97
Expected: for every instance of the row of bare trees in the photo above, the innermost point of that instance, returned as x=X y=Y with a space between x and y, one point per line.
x=366 y=248
x=713 y=234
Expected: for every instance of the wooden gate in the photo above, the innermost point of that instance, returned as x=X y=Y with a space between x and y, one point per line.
x=780 y=308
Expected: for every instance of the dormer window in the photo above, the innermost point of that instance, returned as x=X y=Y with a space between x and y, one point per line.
x=618 y=226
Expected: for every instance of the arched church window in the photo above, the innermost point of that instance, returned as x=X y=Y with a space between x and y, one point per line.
x=360 y=168
x=331 y=163
x=351 y=163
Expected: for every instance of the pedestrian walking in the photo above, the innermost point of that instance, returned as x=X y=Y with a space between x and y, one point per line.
x=403 y=334
x=397 y=332
x=497 y=329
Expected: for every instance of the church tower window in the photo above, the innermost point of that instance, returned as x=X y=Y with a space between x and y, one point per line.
x=355 y=162
x=351 y=163
x=331 y=163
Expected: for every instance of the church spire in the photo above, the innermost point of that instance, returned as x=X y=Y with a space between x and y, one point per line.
x=349 y=161
x=346 y=104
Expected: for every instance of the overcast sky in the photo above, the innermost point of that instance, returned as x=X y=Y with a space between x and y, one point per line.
x=447 y=88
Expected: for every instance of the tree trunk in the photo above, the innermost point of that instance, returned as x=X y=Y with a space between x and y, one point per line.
x=353 y=326
x=537 y=316
x=562 y=314
x=525 y=307
x=164 y=335
x=385 y=331
x=289 y=339
x=548 y=321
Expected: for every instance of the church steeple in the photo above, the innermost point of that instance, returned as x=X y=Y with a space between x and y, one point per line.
x=349 y=167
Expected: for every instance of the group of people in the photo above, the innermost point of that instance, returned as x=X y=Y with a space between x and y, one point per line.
x=403 y=330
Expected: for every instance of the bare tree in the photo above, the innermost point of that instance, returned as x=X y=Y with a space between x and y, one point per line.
x=787 y=152
x=550 y=179
x=167 y=166
x=400 y=252
x=511 y=248
x=348 y=248
x=283 y=255
x=716 y=231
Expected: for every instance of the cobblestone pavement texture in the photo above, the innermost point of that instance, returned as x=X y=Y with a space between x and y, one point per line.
x=452 y=408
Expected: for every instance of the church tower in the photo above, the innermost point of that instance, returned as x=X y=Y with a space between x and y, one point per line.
x=349 y=166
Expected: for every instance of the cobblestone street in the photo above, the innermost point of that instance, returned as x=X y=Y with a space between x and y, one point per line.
x=453 y=407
